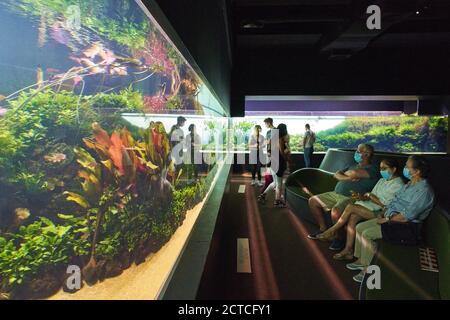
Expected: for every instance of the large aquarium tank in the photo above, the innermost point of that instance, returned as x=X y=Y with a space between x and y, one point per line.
x=89 y=94
x=387 y=133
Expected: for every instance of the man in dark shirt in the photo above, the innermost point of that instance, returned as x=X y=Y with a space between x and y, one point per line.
x=358 y=178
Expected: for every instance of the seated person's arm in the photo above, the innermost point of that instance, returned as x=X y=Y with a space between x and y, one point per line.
x=394 y=216
x=424 y=201
x=375 y=199
x=398 y=217
x=340 y=175
x=357 y=174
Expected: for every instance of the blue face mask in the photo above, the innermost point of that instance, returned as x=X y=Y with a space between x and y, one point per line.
x=358 y=157
x=406 y=173
x=386 y=174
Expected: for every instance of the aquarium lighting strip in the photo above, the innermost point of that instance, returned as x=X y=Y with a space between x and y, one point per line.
x=324 y=113
x=331 y=98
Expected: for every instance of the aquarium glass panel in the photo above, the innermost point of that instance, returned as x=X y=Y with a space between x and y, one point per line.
x=90 y=95
x=385 y=133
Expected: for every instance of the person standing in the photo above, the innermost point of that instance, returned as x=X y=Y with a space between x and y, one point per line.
x=194 y=144
x=308 y=145
x=269 y=125
x=284 y=152
x=269 y=174
x=256 y=147
x=176 y=137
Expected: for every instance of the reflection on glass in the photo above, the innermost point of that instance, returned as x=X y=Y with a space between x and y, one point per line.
x=87 y=96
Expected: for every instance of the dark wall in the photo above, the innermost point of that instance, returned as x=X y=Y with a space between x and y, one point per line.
x=378 y=72
x=202 y=26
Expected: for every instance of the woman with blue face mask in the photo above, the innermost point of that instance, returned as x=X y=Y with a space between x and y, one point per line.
x=367 y=206
x=410 y=207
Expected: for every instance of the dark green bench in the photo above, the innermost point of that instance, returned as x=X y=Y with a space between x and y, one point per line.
x=317 y=180
x=321 y=180
x=401 y=275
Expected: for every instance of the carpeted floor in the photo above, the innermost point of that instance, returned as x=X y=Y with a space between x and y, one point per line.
x=285 y=263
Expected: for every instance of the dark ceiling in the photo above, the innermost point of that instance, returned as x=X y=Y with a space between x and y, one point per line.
x=337 y=28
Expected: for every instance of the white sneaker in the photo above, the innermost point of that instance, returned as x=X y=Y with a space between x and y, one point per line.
x=260 y=184
x=355 y=266
x=253 y=182
x=359 y=277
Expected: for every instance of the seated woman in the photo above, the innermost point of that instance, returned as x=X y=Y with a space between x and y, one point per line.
x=367 y=207
x=411 y=205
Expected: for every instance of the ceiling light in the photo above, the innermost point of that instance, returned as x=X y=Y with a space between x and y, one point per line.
x=252 y=25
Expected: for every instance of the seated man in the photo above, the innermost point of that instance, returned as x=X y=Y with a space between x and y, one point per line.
x=359 y=178
x=367 y=207
x=412 y=204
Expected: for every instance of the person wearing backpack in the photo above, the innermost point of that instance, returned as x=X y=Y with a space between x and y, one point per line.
x=308 y=145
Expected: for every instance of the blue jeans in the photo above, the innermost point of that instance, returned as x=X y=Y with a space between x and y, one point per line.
x=308 y=155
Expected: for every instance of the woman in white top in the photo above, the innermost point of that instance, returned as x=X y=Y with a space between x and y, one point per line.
x=256 y=147
x=367 y=206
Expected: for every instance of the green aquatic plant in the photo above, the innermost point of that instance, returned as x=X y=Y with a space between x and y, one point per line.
x=173 y=103
x=33 y=184
x=39 y=248
x=37 y=117
x=392 y=134
x=173 y=54
x=127 y=100
x=9 y=149
x=128 y=28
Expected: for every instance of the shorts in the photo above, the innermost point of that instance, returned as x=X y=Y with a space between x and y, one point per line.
x=334 y=200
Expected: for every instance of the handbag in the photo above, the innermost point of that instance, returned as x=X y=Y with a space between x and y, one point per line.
x=402 y=233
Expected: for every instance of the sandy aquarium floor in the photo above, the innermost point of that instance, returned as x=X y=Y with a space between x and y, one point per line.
x=144 y=281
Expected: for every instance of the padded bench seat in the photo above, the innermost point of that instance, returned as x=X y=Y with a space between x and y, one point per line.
x=316 y=181
x=401 y=275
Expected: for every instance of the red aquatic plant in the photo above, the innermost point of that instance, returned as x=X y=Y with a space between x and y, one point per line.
x=154 y=104
x=156 y=54
x=128 y=170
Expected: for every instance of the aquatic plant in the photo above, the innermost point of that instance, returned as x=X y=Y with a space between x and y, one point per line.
x=37 y=117
x=154 y=104
x=127 y=100
x=130 y=32
x=127 y=172
x=39 y=248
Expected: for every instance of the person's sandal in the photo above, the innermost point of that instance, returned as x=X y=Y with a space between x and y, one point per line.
x=326 y=236
x=343 y=256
